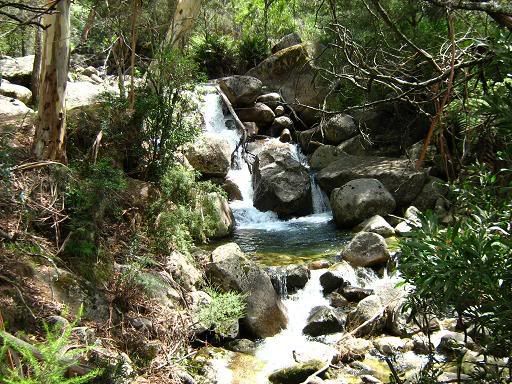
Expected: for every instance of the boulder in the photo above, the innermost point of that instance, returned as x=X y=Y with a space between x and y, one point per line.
x=355 y=294
x=359 y=200
x=210 y=155
x=18 y=70
x=259 y=113
x=297 y=373
x=281 y=183
x=376 y=224
x=410 y=222
x=89 y=71
x=279 y=124
x=331 y=281
x=285 y=136
x=433 y=190
x=232 y=190
x=368 y=317
x=355 y=146
x=279 y=111
x=351 y=349
x=336 y=300
x=391 y=345
x=272 y=99
x=339 y=128
x=230 y=270
x=287 y=41
x=310 y=139
x=291 y=72
x=252 y=128
x=288 y=279
x=399 y=176
x=13 y=111
x=323 y=321
x=240 y=90
x=225 y=222
x=15 y=91
x=323 y=156
x=85 y=95
x=366 y=249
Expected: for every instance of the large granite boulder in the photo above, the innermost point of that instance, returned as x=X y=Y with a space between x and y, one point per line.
x=339 y=128
x=323 y=321
x=368 y=318
x=323 y=156
x=241 y=90
x=397 y=175
x=82 y=95
x=15 y=91
x=230 y=270
x=12 y=111
x=366 y=249
x=286 y=42
x=210 y=155
x=359 y=200
x=17 y=70
x=290 y=72
x=281 y=183
x=259 y=113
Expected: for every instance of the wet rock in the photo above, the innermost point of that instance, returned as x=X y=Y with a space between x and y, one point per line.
x=230 y=270
x=331 y=281
x=241 y=90
x=279 y=111
x=319 y=264
x=260 y=113
x=339 y=128
x=285 y=136
x=366 y=249
x=376 y=224
x=279 y=125
x=232 y=190
x=272 y=99
x=17 y=70
x=296 y=277
x=242 y=346
x=398 y=176
x=210 y=155
x=352 y=349
x=336 y=300
x=281 y=183
x=359 y=200
x=391 y=345
x=287 y=41
x=355 y=294
x=367 y=318
x=15 y=91
x=297 y=373
x=323 y=321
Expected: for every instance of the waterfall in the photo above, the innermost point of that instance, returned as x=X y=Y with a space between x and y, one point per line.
x=319 y=197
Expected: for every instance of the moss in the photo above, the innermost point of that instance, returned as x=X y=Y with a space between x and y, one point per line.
x=296 y=374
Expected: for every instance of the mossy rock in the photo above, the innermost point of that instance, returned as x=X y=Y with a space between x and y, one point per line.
x=296 y=374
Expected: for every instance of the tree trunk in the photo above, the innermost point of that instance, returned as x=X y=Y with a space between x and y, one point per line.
x=36 y=68
x=49 y=141
x=183 y=20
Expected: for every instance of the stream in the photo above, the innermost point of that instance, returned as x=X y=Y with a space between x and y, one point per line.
x=274 y=242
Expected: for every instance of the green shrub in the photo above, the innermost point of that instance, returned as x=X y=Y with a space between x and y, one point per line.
x=466 y=267
x=185 y=212
x=49 y=368
x=252 y=50
x=224 y=309
x=215 y=55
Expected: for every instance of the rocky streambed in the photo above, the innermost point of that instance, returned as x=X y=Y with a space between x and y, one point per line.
x=322 y=304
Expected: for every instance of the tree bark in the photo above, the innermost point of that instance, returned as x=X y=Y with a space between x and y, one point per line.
x=184 y=18
x=49 y=141
x=36 y=68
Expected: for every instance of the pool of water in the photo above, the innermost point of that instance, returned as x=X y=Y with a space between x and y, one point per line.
x=295 y=241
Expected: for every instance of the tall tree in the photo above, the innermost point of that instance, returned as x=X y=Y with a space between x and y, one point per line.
x=49 y=141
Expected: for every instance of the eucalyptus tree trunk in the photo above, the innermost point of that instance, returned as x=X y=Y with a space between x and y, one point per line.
x=49 y=141
x=36 y=68
x=184 y=18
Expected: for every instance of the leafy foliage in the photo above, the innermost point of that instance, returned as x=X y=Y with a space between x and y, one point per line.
x=224 y=309
x=186 y=210
x=49 y=368
x=215 y=54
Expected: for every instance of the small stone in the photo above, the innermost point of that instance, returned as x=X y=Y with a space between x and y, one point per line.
x=330 y=281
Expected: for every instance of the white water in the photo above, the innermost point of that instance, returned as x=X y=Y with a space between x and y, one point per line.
x=246 y=215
